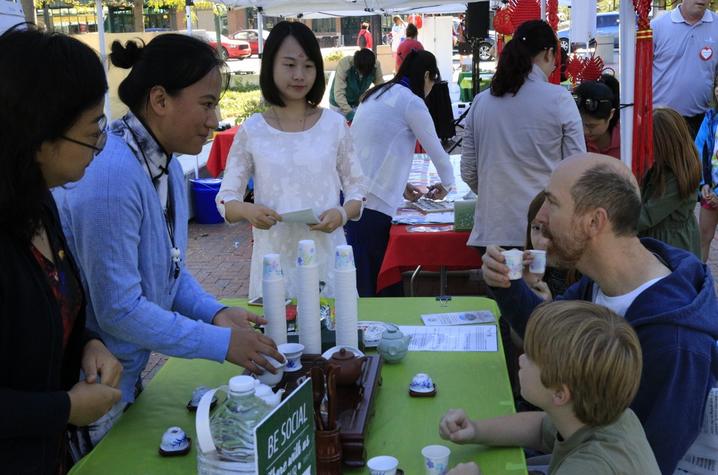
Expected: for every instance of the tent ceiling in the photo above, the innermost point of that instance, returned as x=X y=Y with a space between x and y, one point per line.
x=294 y=7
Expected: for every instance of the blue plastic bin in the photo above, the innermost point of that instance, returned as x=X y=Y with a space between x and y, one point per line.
x=204 y=191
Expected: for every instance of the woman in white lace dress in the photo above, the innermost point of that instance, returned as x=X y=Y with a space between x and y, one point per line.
x=300 y=156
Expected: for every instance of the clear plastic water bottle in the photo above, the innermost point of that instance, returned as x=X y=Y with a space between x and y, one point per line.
x=233 y=422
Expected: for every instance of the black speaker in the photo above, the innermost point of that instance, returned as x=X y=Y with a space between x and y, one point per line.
x=477 y=20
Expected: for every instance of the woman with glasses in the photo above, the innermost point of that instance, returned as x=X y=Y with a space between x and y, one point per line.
x=599 y=104
x=515 y=134
x=127 y=221
x=48 y=139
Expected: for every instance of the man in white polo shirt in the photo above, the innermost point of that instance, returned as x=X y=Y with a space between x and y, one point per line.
x=685 y=57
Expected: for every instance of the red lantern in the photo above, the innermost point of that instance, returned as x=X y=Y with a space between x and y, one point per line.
x=416 y=20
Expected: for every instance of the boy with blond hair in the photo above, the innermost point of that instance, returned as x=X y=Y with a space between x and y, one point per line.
x=582 y=366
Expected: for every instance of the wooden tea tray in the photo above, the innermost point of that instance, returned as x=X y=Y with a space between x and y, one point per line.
x=354 y=408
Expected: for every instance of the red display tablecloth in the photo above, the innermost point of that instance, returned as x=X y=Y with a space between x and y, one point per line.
x=407 y=250
x=220 y=149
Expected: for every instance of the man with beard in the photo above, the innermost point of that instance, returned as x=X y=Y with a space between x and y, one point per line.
x=590 y=217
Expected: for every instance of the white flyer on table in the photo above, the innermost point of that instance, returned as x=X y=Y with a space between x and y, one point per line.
x=304 y=216
x=458 y=318
x=452 y=338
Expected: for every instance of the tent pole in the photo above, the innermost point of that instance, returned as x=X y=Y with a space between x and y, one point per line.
x=626 y=69
x=543 y=9
x=100 y=15
x=188 y=15
x=260 y=31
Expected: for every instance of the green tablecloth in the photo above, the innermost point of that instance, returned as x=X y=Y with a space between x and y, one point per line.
x=401 y=425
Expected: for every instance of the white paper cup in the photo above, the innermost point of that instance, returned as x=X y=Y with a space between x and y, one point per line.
x=271 y=267
x=382 y=465
x=515 y=263
x=538 y=264
x=344 y=257
x=306 y=253
x=436 y=459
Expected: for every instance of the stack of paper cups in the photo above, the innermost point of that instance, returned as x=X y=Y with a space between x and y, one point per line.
x=345 y=296
x=273 y=297
x=310 y=333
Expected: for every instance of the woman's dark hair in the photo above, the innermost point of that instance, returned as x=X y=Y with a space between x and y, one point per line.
x=533 y=210
x=306 y=39
x=411 y=31
x=411 y=73
x=173 y=61
x=364 y=61
x=516 y=61
x=47 y=81
x=602 y=96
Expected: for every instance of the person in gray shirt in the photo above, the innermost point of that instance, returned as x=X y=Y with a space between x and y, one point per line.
x=685 y=58
x=515 y=134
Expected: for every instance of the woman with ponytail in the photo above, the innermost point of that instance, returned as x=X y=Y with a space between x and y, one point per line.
x=599 y=104
x=390 y=119
x=126 y=221
x=515 y=134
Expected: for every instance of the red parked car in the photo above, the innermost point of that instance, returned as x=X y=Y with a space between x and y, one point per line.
x=231 y=49
x=252 y=36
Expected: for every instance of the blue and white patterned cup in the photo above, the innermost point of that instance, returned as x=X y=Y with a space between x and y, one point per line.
x=271 y=267
x=306 y=253
x=436 y=459
x=344 y=258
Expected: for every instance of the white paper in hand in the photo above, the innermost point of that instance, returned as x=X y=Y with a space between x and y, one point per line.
x=304 y=216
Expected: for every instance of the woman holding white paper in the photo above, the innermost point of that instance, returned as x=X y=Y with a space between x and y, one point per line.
x=301 y=157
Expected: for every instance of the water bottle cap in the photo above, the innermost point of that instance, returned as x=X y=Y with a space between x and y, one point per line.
x=241 y=384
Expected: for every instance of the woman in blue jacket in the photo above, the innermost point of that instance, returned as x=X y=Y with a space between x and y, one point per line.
x=127 y=221
x=706 y=144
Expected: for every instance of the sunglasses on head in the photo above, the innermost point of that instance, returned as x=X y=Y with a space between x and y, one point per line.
x=589 y=104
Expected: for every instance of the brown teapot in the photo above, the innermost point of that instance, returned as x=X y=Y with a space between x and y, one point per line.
x=349 y=364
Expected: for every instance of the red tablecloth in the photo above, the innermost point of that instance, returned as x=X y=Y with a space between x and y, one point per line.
x=408 y=250
x=220 y=149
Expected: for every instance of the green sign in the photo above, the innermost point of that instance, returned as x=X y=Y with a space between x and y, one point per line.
x=285 y=438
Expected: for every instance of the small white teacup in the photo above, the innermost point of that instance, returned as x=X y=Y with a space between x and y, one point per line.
x=538 y=264
x=292 y=353
x=268 y=378
x=382 y=465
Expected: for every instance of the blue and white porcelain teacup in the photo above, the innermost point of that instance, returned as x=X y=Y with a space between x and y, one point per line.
x=174 y=440
x=421 y=383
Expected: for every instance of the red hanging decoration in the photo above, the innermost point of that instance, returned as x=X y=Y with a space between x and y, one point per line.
x=642 y=157
x=574 y=68
x=417 y=20
x=503 y=27
x=592 y=69
x=523 y=11
x=643 y=93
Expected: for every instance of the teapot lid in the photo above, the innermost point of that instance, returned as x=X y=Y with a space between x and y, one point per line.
x=343 y=354
x=392 y=332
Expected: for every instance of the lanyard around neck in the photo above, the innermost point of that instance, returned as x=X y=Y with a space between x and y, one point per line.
x=168 y=212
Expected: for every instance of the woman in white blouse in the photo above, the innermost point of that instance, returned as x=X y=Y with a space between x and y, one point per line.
x=300 y=156
x=387 y=124
x=515 y=134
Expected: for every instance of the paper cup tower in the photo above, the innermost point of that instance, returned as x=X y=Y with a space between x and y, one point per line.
x=310 y=333
x=345 y=296
x=273 y=296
